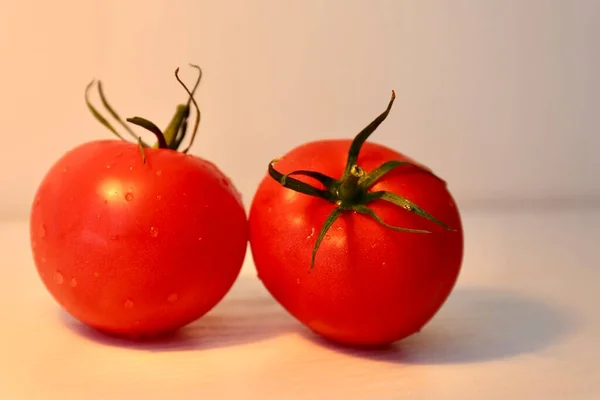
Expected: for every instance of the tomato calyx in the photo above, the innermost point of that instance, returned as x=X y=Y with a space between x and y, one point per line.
x=352 y=192
x=171 y=138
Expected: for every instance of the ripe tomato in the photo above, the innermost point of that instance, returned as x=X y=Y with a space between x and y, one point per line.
x=137 y=241
x=374 y=281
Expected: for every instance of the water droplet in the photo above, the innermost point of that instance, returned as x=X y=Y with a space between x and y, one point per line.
x=172 y=297
x=383 y=264
x=105 y=201
x=65 y=169
x=200 y=238
x=43 y=260
x=119 y=154
x=58 y=278
x=128 y=303
x=158 y=172
x=37 y=201
x=108 y=166
x=73 y=282
x=339 y=228
x=33 y=245
x=96 y=274
x=42 y=230
x=98 y=216
x=153 y=231
x=158 y=197
x=327 y=237
x=114 y=237
x=225 y=181
x=128 y=196
x=312 y=233
x=131 y=167
x=298 y=281
x=71 y=199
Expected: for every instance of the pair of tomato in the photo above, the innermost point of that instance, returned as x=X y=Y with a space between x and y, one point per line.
x=357 y=241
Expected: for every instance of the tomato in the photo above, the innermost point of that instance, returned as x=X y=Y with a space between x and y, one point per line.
x=384 y=264
x=137 y=241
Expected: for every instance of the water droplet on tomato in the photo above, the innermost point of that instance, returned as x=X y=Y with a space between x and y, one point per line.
x=65 y=169
x=37 y=201
x=153 y=231
x=73 y=282
x=43 y=260
x=114 y=237
x=225 y=181
x=33 y=245
x=42 y=230
x=172 y=297
x=128 y=196
x=131 y=167
x=98 y=216
x=158 y=172
x=58 y=278
x=119 y=154
x=200 y=238
x=158 y=197
x=327 y=237
x=96 y=274
x=128 y=303
x=105 y=201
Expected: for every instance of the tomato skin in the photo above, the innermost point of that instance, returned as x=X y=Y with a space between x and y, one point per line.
x=370 y=285
x=136 y=249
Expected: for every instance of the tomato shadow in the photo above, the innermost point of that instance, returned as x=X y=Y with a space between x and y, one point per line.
x=247 y=314
x=476 y=325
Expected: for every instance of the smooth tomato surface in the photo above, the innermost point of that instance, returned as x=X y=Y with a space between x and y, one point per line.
x=370 y=285
x=137 y=249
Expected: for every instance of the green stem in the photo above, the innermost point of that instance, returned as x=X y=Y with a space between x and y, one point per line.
x=349 y=189
x=171 y=133
x=352 y=192
x=363 y=135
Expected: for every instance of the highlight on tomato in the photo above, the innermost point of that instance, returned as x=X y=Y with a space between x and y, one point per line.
x=133 y=239
x=356 y=240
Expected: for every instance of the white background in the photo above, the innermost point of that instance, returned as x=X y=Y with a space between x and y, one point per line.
x=501 y=98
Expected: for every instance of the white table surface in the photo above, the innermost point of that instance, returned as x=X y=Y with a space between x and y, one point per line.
x=522 y=323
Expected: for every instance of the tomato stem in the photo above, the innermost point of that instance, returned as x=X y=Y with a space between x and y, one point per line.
x=176 y=130
x=349 y=190
x=351 y=193
x=193 y=101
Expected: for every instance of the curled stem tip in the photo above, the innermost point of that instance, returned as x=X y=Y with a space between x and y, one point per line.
x=193 y=101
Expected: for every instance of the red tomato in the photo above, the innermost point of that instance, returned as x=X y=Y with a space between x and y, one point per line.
x=134 y=245
x=370 y=284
